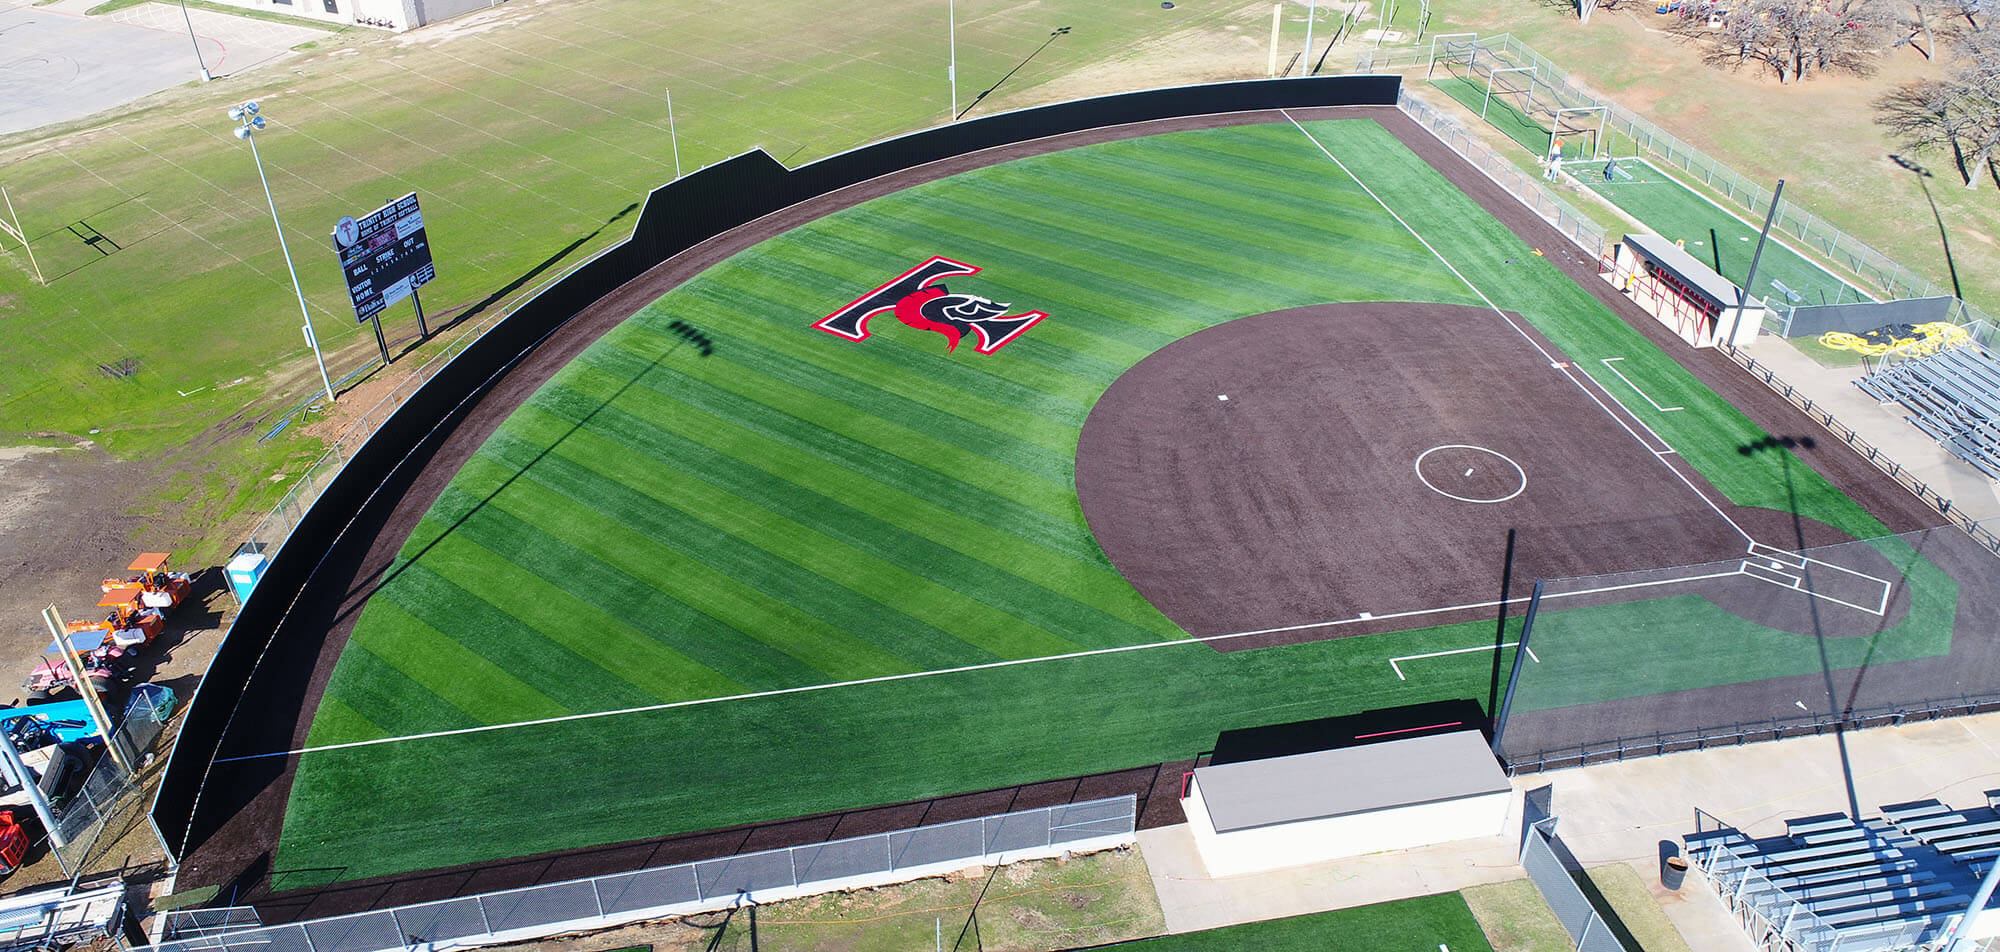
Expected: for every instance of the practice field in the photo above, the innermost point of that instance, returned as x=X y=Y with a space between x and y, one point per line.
x=1714 y=235
x=806 y=568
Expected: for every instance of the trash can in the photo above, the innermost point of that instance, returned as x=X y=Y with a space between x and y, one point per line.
x=1673 y=872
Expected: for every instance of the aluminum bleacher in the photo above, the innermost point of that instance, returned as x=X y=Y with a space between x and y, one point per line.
x=1831 y=884
x=1952 y=395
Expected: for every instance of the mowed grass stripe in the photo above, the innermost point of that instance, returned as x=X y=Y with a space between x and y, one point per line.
x=938 y=518
x=1034 y=457
x=716 y=573
x=454 y=672
x=1312 y=265
x=1044 y=609
x=388 y=699
x=495 y=535
x=1052 y=530
x=604 y=637
x=725 y=537
x=571 y=679
x=622 y=481
x=744 y=394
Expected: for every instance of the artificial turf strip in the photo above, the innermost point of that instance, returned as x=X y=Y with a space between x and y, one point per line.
x=1717 y=238
x=799 y=509
x=1420 y=924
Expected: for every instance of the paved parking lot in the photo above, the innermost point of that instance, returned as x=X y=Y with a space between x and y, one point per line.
x=57 y=64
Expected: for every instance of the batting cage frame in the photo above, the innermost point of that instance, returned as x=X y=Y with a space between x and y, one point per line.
x=1557 y=129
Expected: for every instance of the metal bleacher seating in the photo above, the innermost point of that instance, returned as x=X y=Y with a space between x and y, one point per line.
x=1952 y=395
x=1888 y=883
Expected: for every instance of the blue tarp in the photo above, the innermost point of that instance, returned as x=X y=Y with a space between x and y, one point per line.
x=57 y=712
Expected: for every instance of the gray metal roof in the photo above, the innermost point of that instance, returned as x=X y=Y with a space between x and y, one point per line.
x=1688 y=268
x=1331 y=783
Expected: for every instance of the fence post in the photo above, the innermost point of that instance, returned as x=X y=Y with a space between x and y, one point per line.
x=488 y=923
x=598 y=895
x=793 y=855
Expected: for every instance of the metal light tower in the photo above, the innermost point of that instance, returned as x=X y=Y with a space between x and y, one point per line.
x=205 y=77
x=951 y=33
x=249 y=124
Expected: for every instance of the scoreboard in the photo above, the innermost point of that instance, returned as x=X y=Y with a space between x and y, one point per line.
x=385 y=255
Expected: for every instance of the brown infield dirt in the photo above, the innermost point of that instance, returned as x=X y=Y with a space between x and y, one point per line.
x=276 y=708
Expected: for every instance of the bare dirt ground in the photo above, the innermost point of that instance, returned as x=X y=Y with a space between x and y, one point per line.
x=1066 y=902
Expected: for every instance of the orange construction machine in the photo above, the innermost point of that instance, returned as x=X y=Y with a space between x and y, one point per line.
x=158 y=587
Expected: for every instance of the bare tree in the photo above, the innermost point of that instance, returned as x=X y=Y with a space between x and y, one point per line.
x=1960 y=111
x=1792 y=38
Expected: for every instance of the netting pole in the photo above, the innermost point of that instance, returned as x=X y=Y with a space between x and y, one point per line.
x=1514 y=674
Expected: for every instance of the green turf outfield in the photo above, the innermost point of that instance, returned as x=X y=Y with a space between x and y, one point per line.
x=655 y=526
x=1714 y=236
x=1423 y=924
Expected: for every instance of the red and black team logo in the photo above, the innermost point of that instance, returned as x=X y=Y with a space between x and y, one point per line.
x=927 y=307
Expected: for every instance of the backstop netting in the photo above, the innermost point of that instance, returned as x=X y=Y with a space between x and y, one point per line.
x=1775 y=643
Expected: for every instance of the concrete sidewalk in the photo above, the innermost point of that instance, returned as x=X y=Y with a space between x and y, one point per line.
x=1617 y=813
x=1882 y=425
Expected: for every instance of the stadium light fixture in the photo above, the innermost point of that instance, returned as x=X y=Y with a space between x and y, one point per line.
x=249 y=123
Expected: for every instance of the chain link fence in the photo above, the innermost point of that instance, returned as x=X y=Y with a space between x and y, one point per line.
x=108 y=804
x=1528 y=190
x=1628 y=133
x=589 y=904
x=1554 y=871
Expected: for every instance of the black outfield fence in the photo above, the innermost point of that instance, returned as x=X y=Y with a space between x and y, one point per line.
x=676 y=217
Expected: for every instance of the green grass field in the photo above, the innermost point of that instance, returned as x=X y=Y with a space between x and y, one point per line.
x=1423 y=924
x=656 y=527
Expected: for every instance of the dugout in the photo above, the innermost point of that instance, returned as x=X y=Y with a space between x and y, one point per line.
x=1686 y=295
x=1286 y=811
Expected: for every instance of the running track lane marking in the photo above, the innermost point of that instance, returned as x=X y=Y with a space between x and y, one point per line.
x=1635 y=387
x=1439 y=654
x=1566 y=370
x=912 y=675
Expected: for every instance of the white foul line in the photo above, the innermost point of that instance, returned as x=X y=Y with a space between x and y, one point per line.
x=1438 y=654
x=912 y=675
x=1565 y=370
x=1635 y=387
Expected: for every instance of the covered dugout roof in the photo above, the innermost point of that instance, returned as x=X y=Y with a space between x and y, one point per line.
x=1330 y=783
x=1697 y=276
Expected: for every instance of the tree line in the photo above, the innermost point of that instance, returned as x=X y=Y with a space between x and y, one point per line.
x=1956 y=111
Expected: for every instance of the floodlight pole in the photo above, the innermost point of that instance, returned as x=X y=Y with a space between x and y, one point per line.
x=23 y=236
x=951 y=34
x=1961 y=932
x=674 y=134
x=1312 y=13
x=205 y=77
x=1743 y=293
x=247 y=113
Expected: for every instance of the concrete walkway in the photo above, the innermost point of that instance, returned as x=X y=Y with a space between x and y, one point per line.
x=1883 y=425
x=62 y=65
x=1617 y=813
